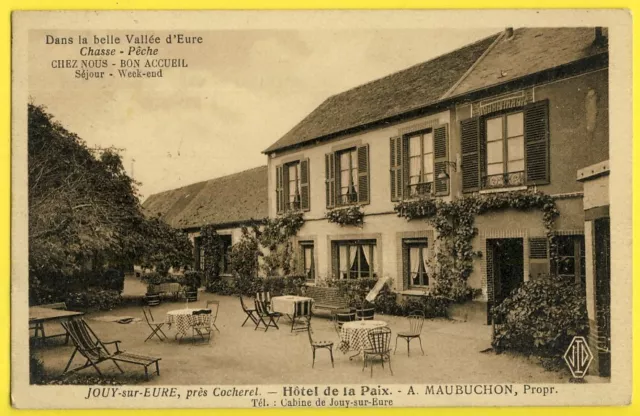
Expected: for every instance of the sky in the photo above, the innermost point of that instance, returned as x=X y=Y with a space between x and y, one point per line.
x=242 y=91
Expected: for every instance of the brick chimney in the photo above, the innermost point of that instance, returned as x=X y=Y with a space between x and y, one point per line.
x=508 y=33
x=600 y=38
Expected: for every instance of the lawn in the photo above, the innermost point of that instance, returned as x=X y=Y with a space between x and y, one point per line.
x=242 y=355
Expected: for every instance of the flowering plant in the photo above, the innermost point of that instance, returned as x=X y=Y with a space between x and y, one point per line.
x=352 y=215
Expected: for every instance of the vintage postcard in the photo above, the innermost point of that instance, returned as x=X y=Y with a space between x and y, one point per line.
x=321 y=209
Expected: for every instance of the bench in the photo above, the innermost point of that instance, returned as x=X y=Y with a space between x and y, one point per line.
x=174 y=290
x=326 y=298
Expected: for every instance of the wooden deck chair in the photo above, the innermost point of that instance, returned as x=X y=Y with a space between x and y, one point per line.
x=214 y=305
x=95 y=351
x=156 y=327
x=266 y=318
x=251 y=312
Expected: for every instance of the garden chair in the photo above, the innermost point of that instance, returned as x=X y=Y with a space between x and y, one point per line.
x=266 y=318
x=366 y=314
x=416 y=320
x=156 y=327
x=319 y=344
x=301 y=318
x=251 y=312
x=265 y=298
x=202 y=327
x=214 y=305
x=95 y=351
x=380 y=341
x=341 y=316
x=38 y=327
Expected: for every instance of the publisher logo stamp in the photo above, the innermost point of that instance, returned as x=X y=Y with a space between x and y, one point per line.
x=578 y=357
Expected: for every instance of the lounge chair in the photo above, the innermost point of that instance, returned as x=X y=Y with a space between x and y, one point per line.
x=95 y=351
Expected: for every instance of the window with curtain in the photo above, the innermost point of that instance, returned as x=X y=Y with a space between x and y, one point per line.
x=308 y=263
x=348 y=168
x=355 y=259
x=505 y=150
x=293 y=187
x=416 y=258
x=420 y=163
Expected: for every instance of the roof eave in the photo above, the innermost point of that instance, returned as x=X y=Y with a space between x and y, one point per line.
x=579 y=66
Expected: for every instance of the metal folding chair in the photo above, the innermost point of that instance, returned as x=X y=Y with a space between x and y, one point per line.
x=156 y=327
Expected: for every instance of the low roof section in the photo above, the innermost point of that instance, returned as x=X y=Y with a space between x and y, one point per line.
x=226 y=201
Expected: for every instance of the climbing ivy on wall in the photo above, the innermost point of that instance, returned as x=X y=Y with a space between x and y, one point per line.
x=454 y=223
x=276 y=237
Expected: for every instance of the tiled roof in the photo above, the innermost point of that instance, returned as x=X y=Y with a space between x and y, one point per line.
x=412 y=88
x=528 y=51
x=235 y=198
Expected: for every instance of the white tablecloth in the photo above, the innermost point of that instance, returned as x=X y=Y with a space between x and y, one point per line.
x=184 y=319
x=354 y=336
x=286 y=304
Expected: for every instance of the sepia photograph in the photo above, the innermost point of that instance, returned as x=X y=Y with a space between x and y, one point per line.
x=346 y=214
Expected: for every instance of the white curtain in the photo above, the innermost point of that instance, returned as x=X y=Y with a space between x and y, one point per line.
x=367 y=256
x=353 y=251
x=344 y=265
x=425 y=259
x=414 y=256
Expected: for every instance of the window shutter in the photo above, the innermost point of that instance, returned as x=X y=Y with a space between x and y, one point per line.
x=279 y=190
x=330 y=179
x=536 y=139
x=285 y=188
x=304 y=185
x=393 y=168
x=404 y=167
x=441 y=157
x=538 y=257
x=470 y=144
x=406 y=283
x=363 y=174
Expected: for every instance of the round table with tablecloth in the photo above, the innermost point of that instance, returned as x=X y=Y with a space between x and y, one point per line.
x=354 y=336
x=287 y=304
x=184 y=320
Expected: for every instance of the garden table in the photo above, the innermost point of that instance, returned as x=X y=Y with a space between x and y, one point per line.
x=184 y=319
x=39 y=315
x=287 y=304
x=354 y=336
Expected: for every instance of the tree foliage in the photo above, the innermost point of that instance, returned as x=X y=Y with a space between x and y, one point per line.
x=84 y=209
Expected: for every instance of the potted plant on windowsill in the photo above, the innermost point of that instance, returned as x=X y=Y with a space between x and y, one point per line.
x=351 y=215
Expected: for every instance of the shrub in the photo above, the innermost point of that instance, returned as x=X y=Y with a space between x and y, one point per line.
x=113 y=279
x=221 y=286
x=541 y=317
x=191 y=279
x=432 y=306
x=36 y=369
x=247 y=286
x=355 y=290
x=94 y=298
x=386 y=303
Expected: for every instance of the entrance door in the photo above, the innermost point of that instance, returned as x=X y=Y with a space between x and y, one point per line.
x=508 y=267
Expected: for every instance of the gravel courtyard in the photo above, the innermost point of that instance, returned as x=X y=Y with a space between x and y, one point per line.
x=242 y=355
